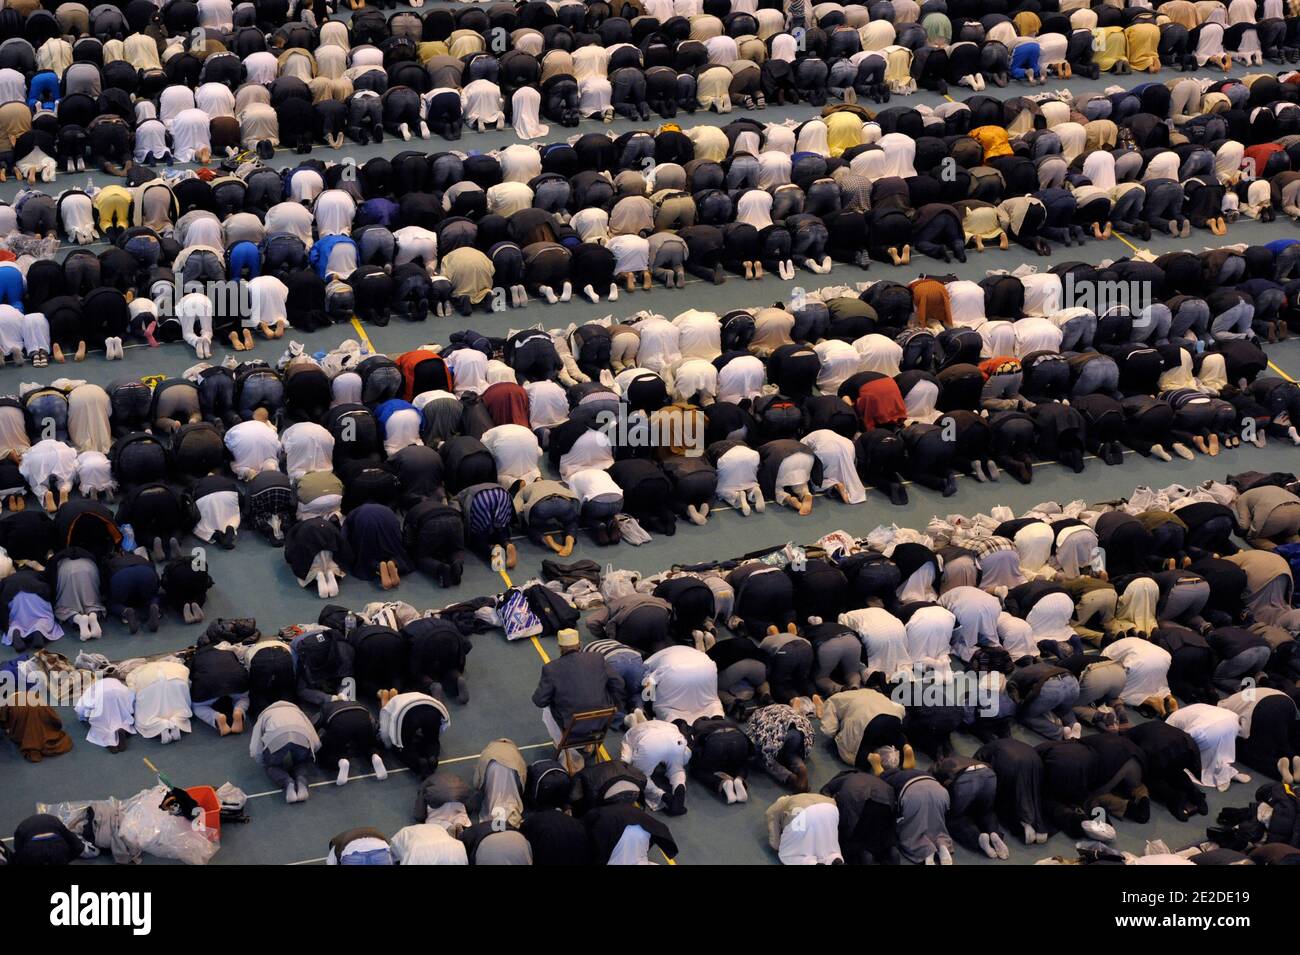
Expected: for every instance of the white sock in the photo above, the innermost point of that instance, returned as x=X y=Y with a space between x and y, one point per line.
x=738 y=784
x=290 y=793
x=342 y=778
x=381 y=771
x=945 y=857
x=999 y=847
x=729 y=791
x=986 y=846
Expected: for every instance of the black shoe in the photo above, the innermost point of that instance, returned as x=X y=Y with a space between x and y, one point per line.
x=132 y=620
x=676 y=805
x=1139 y=810
x=950 y=486
x=265 y=150
x=227 y=538
x=897 y=495
x=155 y=617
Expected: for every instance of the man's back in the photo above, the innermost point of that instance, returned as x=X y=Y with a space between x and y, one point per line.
x=574 y=683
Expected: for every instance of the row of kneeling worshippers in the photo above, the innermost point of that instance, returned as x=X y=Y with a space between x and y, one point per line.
x=1087 y=649
x=448 y=233
x=1143 y=621
x=373 y=467
x=191 y=81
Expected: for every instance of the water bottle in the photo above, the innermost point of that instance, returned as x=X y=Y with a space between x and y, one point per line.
x=128 y=538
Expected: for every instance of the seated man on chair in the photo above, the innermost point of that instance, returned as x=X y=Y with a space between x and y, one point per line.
x=575 y=683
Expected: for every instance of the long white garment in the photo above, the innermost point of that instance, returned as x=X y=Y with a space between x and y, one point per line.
x=151 y=140
x=929 y=636
x=838 y=460
x=254 y=446
x=191 y=133
x=469 y=370
x=883 y=637
x=591 y=450
x=966 y=300
x=1016 y=636
x=1034 y=545
x=880 y=354
x=812 y=836
x=215 y=99
x=795 y=470
x=307 y=447
x=755 y=208
x=659 y=344
x=547 y=404
x=1215 y=731
x=217 y=511
x=527 y=103
x=591 y=484
x=293 y=218
x=694 y=376
x=108 y=705
x=741 y=378
x=334 y=213
x=699 y=334
x=519 y=163
x=516 y=452
x=162 y=698
x=49 y=465
x=88 y=413
x=900 y=150
x=402 y=429
x=481 y=102
x=1147 y=666
x=1050 y=618
x=1136 y=608
x=737 y=472
x=427 y=843
x=684 y=683
x=813 y=138
x=632 y=848
x=839 y=361
x=919 y=586
x=595 y=96
x=1037 y=334
x=922 y=400
x=268 y=297
x=173 y=101
x=975 y=618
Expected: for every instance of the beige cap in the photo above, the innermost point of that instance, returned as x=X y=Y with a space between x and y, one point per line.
x=568 y=639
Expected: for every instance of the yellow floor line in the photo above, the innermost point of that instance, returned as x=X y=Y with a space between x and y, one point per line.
x=1281 y=372
x=1116 y=235
x=356 y=323
x=546 y=658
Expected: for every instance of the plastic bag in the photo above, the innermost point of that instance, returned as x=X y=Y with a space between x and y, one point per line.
x=616 y=583
x=161 y=834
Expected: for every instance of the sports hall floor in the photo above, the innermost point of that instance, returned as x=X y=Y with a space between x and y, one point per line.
x=253 y=580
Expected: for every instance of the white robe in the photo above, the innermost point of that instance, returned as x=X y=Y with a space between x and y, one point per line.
x=838 y=459
x=812 y=837
x=108 y=705
x=162 y=698
x=884 y=638
x=1147 y=666
x=685 y=684
x=1215 y=731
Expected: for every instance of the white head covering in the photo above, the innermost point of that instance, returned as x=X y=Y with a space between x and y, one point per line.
x=527 y=103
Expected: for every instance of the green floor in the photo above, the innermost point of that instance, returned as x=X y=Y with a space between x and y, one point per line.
x=254 y=581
